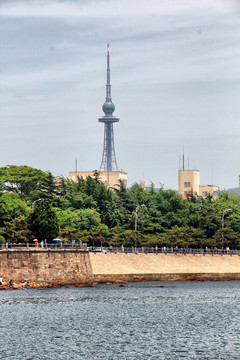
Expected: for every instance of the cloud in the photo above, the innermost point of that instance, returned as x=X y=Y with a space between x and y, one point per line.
x=112 y=9
x=47 y=74
x=174 y=73
x=181 y=41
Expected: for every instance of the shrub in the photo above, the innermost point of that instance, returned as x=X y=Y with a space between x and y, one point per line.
x=2 y=240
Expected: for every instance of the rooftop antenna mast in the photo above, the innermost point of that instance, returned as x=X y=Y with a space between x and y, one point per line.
x=109 y=162
x=212 y=173
x=76 y=165
x=183 y=158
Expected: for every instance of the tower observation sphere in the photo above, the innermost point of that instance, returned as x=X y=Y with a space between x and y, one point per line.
x=108 y=107
x=109 y=162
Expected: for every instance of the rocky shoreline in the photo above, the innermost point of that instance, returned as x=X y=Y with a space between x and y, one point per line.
x=193 y=277
x=41 y=286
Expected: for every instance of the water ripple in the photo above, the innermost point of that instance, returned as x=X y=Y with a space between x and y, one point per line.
x=154 y=320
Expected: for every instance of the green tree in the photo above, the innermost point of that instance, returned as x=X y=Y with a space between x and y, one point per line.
x=70 y=233
x=20 y=230
x=83 y=219
x=49 y=188
x=13 y=217
x=183 y=237
x=127 y=238
x=62 y=187
x=227 y=237
x=210 y=219
x=4 y=215
x=21 y=179
x=14 y=205
x=44 y=222
x=96 y=176
x=107 y=206
x=123 y=204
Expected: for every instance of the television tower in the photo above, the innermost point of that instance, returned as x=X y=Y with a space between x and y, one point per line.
x=109 y=162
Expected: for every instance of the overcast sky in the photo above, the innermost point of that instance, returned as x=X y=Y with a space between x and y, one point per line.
x=175 y=79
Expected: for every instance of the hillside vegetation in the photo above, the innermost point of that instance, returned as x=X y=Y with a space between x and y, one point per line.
x=34 y=203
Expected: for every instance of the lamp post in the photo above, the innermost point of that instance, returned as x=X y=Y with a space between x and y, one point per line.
x=223 y=220
x=136 y=212
x=33 y=204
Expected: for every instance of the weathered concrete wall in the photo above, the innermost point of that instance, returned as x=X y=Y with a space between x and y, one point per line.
x=58 y=267
x=79 y=267
x=136 y=267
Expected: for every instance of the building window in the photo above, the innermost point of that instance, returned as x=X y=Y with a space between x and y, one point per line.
x=187 y=184
x=204 y=194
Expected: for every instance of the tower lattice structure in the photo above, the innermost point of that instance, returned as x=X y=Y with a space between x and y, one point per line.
x=109 y=162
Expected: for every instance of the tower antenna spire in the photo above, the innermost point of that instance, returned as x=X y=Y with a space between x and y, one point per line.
x=109 y=162
x=108 y=86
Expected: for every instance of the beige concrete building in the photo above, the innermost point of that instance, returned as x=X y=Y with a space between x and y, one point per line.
x=204 y=190
x=188 y=182
x=109 y=178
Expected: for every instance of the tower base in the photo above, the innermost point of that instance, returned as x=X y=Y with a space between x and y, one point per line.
x=109 y=178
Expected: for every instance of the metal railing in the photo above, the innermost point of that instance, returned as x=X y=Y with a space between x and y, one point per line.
x=126 y=250
x=57 y=246
x=165 y=250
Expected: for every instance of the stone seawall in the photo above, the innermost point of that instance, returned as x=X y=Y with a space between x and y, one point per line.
x=48 y=267
x=112 y=267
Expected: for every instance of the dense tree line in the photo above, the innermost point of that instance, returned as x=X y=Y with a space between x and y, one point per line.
x=34 y=203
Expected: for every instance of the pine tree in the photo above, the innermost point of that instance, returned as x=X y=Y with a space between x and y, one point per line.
x=44 y=222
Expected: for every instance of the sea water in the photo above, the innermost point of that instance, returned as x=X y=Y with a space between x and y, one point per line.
x=151 y=320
